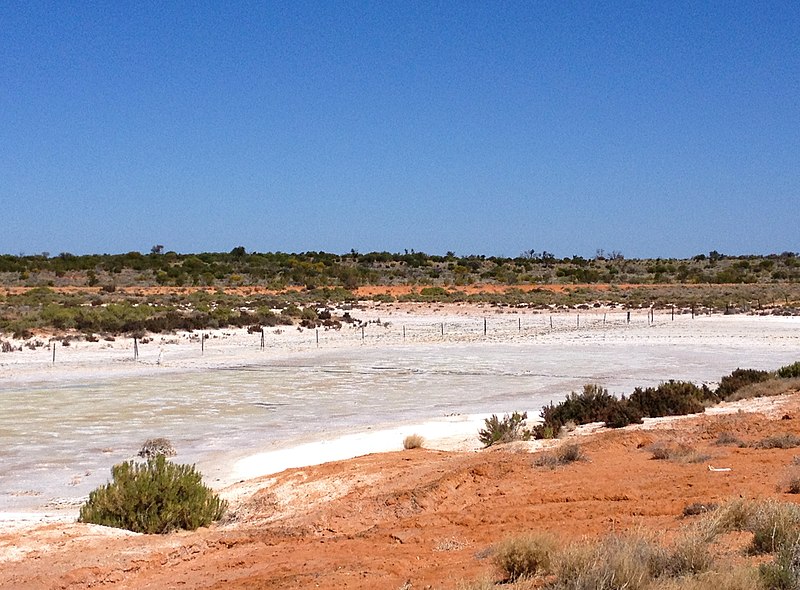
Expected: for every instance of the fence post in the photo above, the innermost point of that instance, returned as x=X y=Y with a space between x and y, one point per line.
x=202 y=343
x=520 y=324
x=404 y=331
x=484 y=326
x=53 y=342
x=629 y=317
x=317 y=330
x=135 y=348
x=263 y=343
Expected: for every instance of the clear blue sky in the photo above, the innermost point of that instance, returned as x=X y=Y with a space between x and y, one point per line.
x=653 y=128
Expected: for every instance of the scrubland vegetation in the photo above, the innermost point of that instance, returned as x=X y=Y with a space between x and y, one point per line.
x=673 y=398
x=114 y=293
x=699 y=558
x=696 y=560
x=279 y=270
x=153 y=497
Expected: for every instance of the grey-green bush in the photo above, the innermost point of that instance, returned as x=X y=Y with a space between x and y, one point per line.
x=154 y=497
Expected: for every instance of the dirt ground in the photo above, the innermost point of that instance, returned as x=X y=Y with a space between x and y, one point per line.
x=418 y=519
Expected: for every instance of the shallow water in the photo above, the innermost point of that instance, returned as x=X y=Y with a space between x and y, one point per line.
x=58 y=441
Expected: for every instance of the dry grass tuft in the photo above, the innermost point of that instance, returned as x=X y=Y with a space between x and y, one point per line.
x=778 y=441
x=790 y=482
x=663 y=451
x=729 y=440
x=525 y=556
x=630 y=562
x=563 y=455
x=413 y=441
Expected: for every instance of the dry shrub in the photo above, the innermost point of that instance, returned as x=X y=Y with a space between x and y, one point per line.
x=563 y=455
x=768 y=388
x=775 y=525
x=790 y=482
x=413 y=441
x=525 y=556
x=728 y=439
x=734 y=515
x=689 y=555
x=778 y=441
x=479 y=584
x=741 y=578
x=680 y=452
x=153 y=447
x=630 y=562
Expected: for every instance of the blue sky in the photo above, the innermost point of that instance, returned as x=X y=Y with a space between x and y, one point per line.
x=652 y=128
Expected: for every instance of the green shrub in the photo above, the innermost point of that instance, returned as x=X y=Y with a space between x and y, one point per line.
x=730 y=384
x=673 y=398
x=594 y=404
x=524 y=556
x=153 y=497
x=789 y=371
x=502 y=431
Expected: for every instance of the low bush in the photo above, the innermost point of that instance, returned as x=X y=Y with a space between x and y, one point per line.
x=783 y=573
x=683 y=453
x=153 y=497
x=774 y=525
x=563 y=455
x=728 y=439
x=524 y=556
x=790 y=371
x=153 y=447
x=413 y=441
x=673 y=398
x=594 y=404
x=790 y=483
x=688 y=556
x=778 y=441
x=504 y=430
x=730 y=384
x=631 y=562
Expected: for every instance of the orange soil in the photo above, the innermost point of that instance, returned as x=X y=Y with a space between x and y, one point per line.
x=424 y=516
